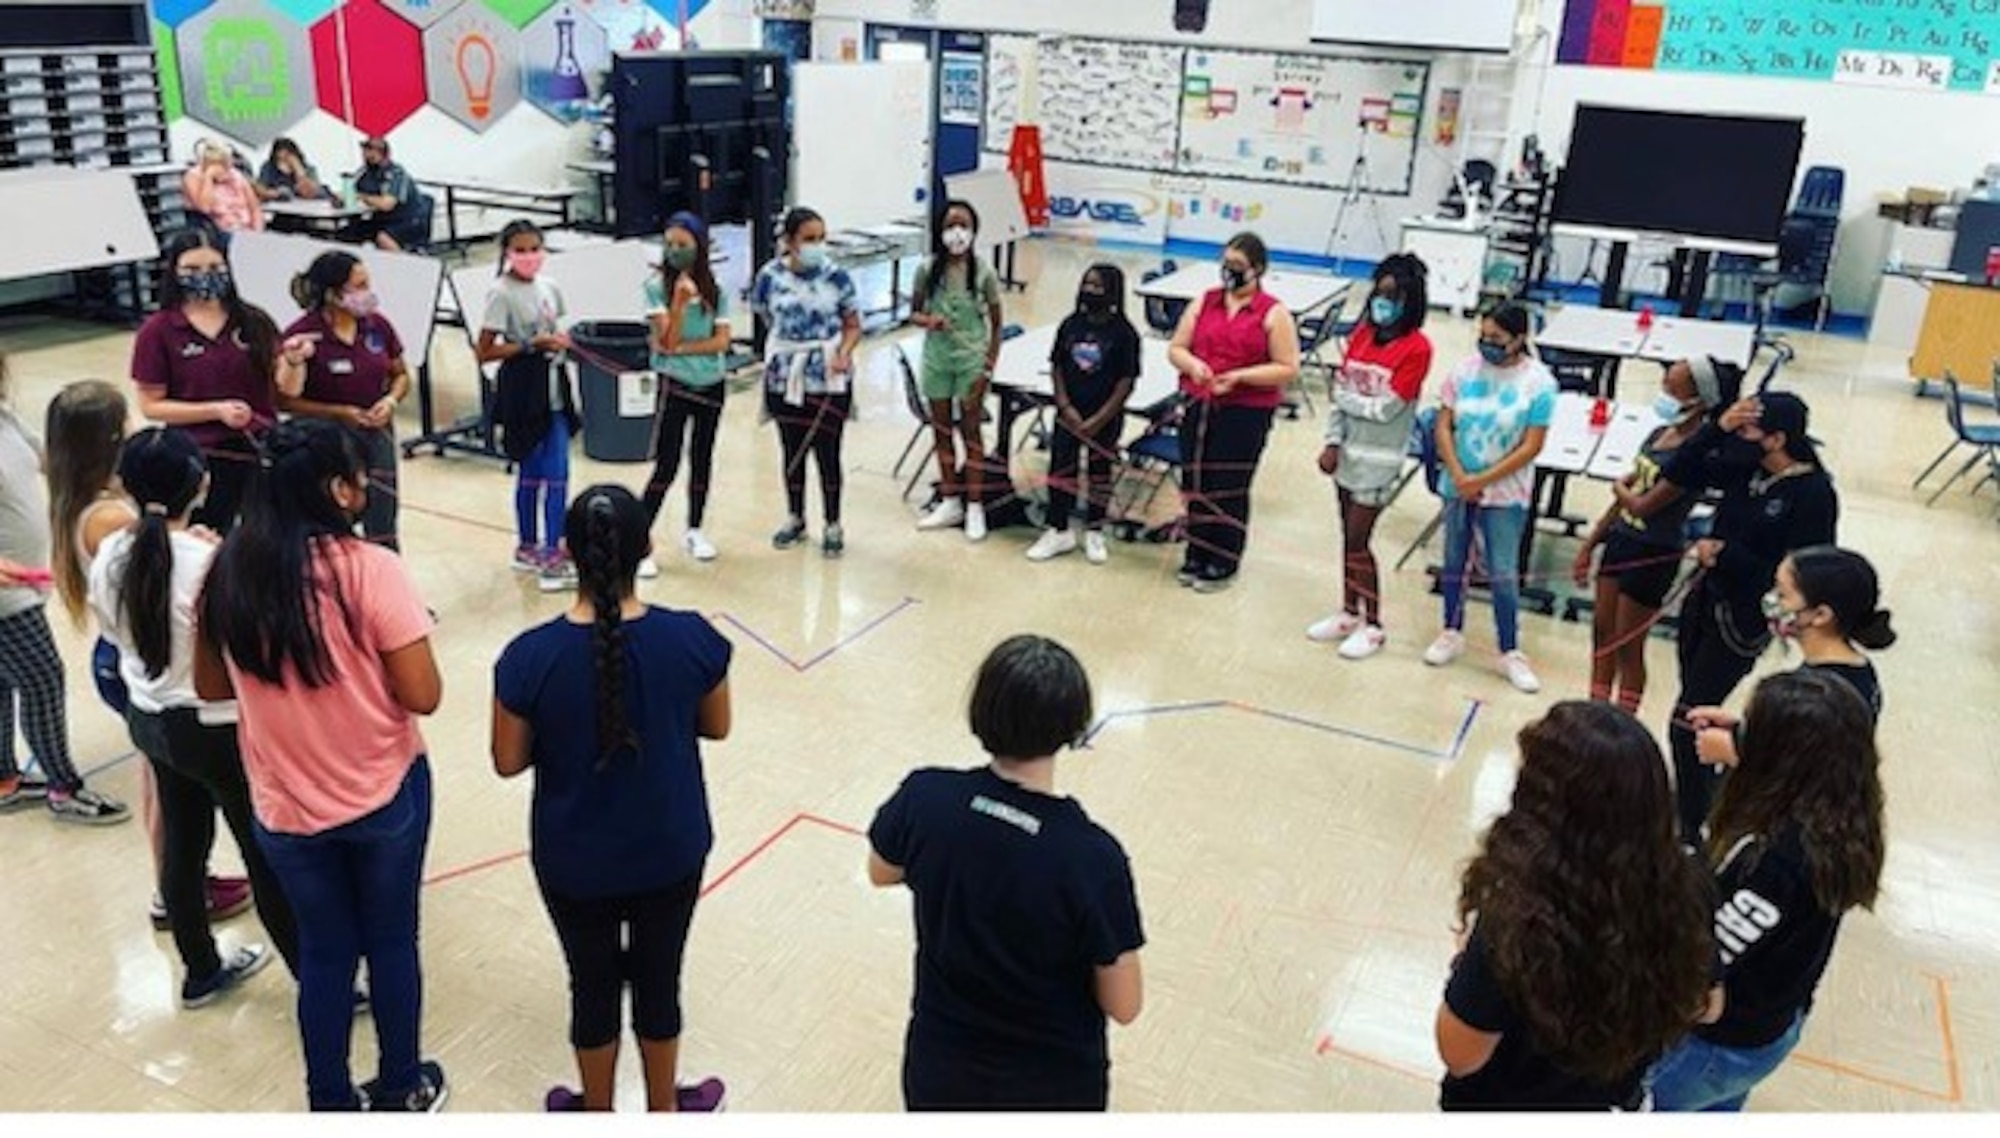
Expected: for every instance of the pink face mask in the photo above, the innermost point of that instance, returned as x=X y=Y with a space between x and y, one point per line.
x=526 y=264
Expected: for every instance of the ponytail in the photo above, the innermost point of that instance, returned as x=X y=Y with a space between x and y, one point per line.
x=162 y=469
x=1876 y=633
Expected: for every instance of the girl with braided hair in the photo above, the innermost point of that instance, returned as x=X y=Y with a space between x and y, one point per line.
x=608 y=703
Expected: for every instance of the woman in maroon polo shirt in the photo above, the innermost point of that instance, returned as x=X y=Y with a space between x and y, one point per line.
x=1236 y=349
x=356 y=375
x=211 y=363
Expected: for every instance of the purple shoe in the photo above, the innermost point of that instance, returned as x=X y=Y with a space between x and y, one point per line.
x=704 y=1097
x=562 y=1100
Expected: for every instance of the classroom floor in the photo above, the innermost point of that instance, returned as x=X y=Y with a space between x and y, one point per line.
x=1295 y=821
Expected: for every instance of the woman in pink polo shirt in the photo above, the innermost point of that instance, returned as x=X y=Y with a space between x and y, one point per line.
x=210 y=363
x=324 y=643
x=216 y=189
x=1236 y=349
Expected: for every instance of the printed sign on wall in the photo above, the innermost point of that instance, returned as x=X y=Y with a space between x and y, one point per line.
x=472 y=58
x=245 y=70
x=562 y=56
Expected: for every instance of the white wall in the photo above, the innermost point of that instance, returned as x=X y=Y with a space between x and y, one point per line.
x=1887 y=140
x=1284 y=24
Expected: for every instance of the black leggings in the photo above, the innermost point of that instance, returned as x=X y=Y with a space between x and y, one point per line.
x=635 y=939
x=230 y=465
x=1220 y=448
x=1715 y=654
x=684 y=411
x=817 y=427
x=197 y=770
x=958 y=1078
x=1098 y=454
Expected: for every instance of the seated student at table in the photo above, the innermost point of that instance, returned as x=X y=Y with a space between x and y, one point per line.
x=397 y=221
x=287 y=176
x=1642 y=555
x=214 y=188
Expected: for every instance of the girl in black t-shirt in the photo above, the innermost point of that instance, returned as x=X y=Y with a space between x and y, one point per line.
x=1094 y=364
x=1028 y=931
x=1796 y=841
x=1587 y=951
x=1827 y=599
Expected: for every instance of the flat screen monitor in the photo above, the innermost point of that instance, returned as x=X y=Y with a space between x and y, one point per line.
x=1722 y=176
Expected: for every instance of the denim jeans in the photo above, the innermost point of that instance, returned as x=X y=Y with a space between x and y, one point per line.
x=354 y=891
x=1701 y=1076
x=541 y=488
x=1502 y=527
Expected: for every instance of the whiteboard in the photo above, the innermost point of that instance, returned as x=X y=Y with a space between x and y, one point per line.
x=1105 y=102
x=1451 y=25
x=862 y=132
x=265 y=263
x=63 y=219
x=598 y=282
x=995 y=196
x=1297 y=119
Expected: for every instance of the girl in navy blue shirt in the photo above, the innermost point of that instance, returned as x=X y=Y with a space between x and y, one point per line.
x=608 y=703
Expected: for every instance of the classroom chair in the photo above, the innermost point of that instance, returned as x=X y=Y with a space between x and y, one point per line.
x=1162 y=316
x=1984 y=438
x=913 y=398
x=1152 y=460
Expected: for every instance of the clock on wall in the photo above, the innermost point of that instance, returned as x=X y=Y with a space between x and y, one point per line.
x=1190 y=15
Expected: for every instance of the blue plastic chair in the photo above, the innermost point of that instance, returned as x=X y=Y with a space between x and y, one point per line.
x=1984 y=438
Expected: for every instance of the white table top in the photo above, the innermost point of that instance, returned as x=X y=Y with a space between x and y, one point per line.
x=1679 y=337
x=1763 y=249
x=1024 y=366
x=1616 y=332
x=480 y=185
x=1299 y=291
x=1574 y=446
x=1630 y=426
x=317 y=208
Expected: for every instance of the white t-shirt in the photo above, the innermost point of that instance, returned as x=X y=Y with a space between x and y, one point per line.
x=173 y=688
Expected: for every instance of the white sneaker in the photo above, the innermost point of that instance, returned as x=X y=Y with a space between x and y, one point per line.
x=1333 y=629
x=1514 y=665
x=1052 y=544
x=944 y=515
x=975 y=522
x=1093 y=547
x=648 y=569
x=698 y=546
x=1363 y=643
x=1447 y=647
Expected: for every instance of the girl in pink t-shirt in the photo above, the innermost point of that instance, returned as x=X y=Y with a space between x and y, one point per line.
x=216 y=188
x=324 y=643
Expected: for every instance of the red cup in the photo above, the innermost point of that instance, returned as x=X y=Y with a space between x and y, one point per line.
x=1600 y=412
x=1645 y=317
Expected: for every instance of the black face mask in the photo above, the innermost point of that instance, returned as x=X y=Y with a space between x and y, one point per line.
x=1234 y=278
x=207 y=284
x=1738 y=453
x=1094 y=303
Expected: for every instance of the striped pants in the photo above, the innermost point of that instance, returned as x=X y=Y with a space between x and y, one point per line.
x=31 y=684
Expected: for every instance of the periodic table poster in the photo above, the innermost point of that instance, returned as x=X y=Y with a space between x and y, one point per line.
x=1938 y=45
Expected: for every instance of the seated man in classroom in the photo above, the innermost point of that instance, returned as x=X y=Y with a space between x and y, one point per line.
x=399 y=217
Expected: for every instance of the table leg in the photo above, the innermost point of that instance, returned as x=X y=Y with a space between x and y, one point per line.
x=1699 y=261
x=1612 y=293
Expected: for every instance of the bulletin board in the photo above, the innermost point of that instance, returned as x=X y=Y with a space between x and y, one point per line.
x=1105 y=102
x=1301 y=119
x=1939 y=45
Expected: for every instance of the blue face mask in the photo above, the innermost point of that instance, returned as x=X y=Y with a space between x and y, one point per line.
x=1668 y=408
x=1492 y=353
x=1383 y=311
x=813 y=256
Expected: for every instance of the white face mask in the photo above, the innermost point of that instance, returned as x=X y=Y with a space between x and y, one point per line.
x=957 y=239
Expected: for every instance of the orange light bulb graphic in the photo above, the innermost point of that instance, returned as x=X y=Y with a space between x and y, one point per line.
x=477 y=63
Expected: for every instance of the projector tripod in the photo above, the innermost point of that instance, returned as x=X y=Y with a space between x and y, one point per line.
x=1356 y=195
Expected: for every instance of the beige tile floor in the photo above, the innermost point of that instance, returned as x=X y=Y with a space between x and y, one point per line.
x=1295 y=844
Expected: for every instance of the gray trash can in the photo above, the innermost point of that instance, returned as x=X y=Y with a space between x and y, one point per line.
x=620 y=395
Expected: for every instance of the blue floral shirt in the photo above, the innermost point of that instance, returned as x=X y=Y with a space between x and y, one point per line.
x=804 y=308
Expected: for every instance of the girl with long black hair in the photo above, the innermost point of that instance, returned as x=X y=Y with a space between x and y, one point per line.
x=690 y=338
x=1797 y=841
x=1093 y=366
x=1586 y=952
x=608 y=704
x=324 y=642
x=356 y=376
x=143 y=585
x=1375 y=392
x=957 y=303
x=808 y=368
x=212 y=364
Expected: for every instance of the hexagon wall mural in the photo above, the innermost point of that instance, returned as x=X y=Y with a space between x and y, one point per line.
x=174 y=13
x=520 y=13
x=305 y=11
x=171 y=103
x=383 y=63
x=246 y=69
x=563 y=57
x=422 y=13
x=473 y=60
x=631 y=25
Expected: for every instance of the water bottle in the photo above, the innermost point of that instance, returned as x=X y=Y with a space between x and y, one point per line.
x=347 y=189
